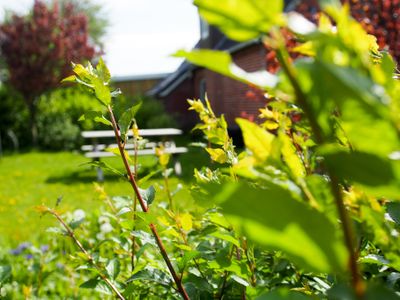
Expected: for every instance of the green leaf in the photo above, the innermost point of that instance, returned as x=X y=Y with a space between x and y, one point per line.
x=364 y=168
x=186 y=221
x=103 y=288
x=76 y=223
x=148 y=176
x=123 y=211
x=200 y=283
x=91 y=283
x=94 y=79
x=291 y=157
x=82 y=72
x=151 y=274
x=71 y=78
x=256 y=139
x=283 y=294
x=239 y=280
x=364 y=114
x=101 y=91
x=96 y=116
x=273 y=218
x=113 y=268
x=126 y=119
x=102 y=71
x=217 y=155
x=186 y=258
x=221 y=62
x=374 y=259
x=375 y=174
x=105 y=166
x=242 y=20
x=148 y=194
x=116 y=93
x=5 y=273
x=393 y=209
x=226 y=237
x=98 y=285
x=380 y=292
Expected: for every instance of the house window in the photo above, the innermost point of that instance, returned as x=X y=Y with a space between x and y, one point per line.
x=204 y=29
x=203 y=90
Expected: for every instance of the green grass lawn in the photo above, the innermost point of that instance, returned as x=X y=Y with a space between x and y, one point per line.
x=31 y=179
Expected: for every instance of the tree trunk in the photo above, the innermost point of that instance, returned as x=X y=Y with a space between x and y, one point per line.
x=32 y=122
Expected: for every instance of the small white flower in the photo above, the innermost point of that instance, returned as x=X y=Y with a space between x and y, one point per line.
x=79 y=214
x=106 y=228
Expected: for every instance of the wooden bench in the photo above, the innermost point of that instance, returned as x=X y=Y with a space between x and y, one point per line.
x=156 y=138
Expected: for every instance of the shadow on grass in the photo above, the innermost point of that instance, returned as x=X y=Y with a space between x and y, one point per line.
x=85 y=176
x=195 y=158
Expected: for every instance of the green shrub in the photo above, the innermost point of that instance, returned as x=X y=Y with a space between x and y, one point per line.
x=57 y=132
x=58 y=115
x=276 y=221
x=152 y=113
x=13 y=118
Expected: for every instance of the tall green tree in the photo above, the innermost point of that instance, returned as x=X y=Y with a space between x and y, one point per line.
x=97 y=18
x=38 y=48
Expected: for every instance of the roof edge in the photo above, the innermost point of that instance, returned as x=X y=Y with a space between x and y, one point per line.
x=173 y=80
x=140 y=77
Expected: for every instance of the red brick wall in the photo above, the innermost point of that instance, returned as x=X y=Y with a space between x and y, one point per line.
x=176 y=104
x=132 y=88
x=226 y=95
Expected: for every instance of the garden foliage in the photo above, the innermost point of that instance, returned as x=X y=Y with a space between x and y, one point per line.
x=308 y=210
x=38 y=48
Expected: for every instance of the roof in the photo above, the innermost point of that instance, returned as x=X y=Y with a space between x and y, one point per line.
x=184 y=71
x=157 y=76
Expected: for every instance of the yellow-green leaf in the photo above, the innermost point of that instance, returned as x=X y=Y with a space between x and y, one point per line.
x=292 y=160
x=221 y=62
x=257 y=140
x=217 y=155
x=242 y=20
x=71 y=78
x=103 y=71
x=273 y=218
x=186 y=221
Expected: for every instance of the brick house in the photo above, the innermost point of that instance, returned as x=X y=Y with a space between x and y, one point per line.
x=226 y=95
x=137 y=84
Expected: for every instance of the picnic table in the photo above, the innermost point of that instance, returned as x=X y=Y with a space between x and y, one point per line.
x=154 y=138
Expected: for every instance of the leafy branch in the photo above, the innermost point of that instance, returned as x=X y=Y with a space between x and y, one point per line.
x=97 y=81
x=89 y=257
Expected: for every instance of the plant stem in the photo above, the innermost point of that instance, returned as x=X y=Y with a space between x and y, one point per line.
x=225 y=278
x=135 y=163
x=167 y=190
x=144 y=207
x=250 y=261
x=301 y=98
x=89 y=257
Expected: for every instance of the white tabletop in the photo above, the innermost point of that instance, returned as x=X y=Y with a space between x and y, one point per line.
x=142 y=132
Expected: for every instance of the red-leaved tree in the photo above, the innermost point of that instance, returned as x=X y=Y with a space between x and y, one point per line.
x=38 y=48
x=380 y=18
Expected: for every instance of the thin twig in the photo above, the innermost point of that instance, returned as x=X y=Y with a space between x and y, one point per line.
x=250 y=262
x=145 y=208
x=135 y=164
x=225 y=278
x=87 y=254
x=167 y=190
x=301 y=98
